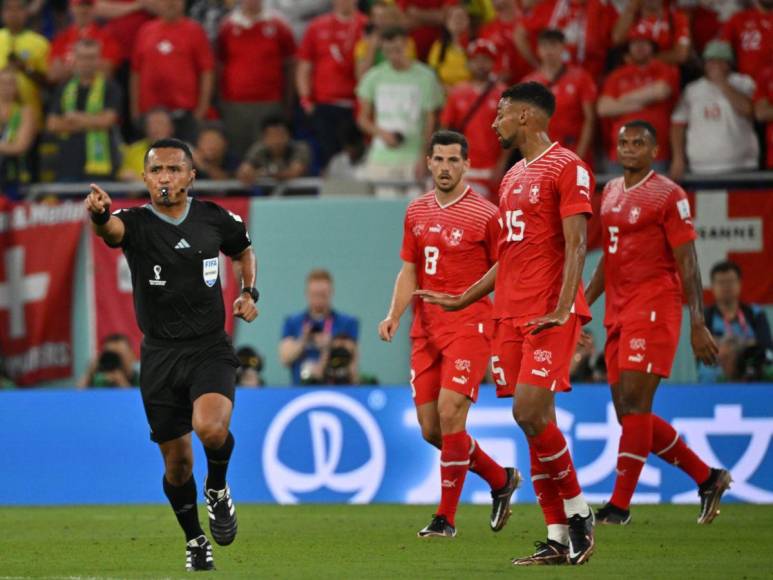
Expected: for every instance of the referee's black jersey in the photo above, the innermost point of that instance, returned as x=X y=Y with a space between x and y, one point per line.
x=175 y=267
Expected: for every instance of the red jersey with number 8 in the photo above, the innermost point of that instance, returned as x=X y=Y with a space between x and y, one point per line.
x=452 y=246
x=534 y=198
x=641 y=225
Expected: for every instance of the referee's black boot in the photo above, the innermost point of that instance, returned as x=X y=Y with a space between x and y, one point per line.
x=222 y=514
x=198 y=555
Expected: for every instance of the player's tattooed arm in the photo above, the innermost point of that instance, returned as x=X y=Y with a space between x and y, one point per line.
x=575 y=245
x=405 y=285
x=703 y=344
x=596 y=286
x=97 y=203
x=480 y=289
x=244 y=305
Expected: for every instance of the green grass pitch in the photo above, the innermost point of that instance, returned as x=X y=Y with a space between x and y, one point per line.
x=377 y=541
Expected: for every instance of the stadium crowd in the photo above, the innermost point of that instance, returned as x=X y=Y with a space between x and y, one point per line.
x=290 y=88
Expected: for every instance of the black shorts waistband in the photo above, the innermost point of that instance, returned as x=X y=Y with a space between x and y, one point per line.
x=202 y=340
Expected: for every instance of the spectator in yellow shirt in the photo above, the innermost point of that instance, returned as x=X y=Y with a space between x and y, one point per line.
x=26 y=51
x=448 y=56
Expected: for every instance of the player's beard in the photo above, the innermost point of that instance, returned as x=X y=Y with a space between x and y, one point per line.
x=505 y=143
x=449 y=188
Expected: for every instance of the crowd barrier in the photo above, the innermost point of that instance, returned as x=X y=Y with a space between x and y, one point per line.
x=361 y=445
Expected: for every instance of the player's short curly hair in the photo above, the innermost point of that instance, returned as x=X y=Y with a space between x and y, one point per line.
x=535 y=94
x=641 y=124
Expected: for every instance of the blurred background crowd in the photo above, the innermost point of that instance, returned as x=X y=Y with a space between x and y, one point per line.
x=271 y=90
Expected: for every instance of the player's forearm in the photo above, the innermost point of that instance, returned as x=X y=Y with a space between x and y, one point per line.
x=596 y=286
x=481 y=288
x=111 y=231
x=623 y=24
x=521 y=37
x=687 y=261
x=763 y=111
x=405 y=285
x=365 y=120
x=100 y=121
x=290 y=350
x=109 y=10
x=575 y=247
x=678 y=134
x=610 y=107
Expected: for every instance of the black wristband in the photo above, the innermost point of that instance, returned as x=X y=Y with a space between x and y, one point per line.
x=253 y=292
x=101 y=218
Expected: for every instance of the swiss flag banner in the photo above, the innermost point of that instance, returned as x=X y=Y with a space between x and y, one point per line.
x=732 y=225
x=113 y=304
x=38 y=245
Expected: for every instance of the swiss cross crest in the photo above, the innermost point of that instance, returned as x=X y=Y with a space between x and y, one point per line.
x=455 y=237
x=633 y=215
x=418 y=229
x=534 y=193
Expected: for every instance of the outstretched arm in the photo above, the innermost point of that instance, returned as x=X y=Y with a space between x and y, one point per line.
x=106 y=226
x=703 y=344
x=481 y=288
x=405 y=285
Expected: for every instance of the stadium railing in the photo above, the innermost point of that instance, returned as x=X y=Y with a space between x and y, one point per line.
x=315 y=185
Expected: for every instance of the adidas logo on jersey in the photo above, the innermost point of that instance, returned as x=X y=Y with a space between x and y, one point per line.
x=182 y=244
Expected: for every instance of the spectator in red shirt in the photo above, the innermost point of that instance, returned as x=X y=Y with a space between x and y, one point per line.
x=60 y=59
x=586 y=24
x=511 y=67
x=750 y=32
x=256 y=49
x=646 y=89
x=325 y=75
x=763 y=109
x=172 y=67
x=426 y=19
x=470 y=109
x=124 y=18
x=659 y=21
x=573 y=123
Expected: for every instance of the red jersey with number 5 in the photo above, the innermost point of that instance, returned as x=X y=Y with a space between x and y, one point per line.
x=641 y=226
x=453 y=246
x=534 y=198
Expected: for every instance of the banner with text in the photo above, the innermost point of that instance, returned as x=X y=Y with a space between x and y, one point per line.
x=362 y=445
x=38 y=245
x=113 y=304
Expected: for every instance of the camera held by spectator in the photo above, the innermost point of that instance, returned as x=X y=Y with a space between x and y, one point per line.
x=250 y=367
x=116 y=365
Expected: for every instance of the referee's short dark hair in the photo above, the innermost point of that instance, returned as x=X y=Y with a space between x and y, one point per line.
x=725 y=266
x=641 y=124
x=171 y=143
x=535 y=94
x=448 y=138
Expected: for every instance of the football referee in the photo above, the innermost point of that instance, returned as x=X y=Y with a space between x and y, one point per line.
x=188 y=366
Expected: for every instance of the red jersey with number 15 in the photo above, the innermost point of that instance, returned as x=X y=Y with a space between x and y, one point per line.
x=453 y=246
x=534 y=198
x=641 y=225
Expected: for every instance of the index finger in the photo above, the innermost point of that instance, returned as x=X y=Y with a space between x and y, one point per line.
x=98 y=190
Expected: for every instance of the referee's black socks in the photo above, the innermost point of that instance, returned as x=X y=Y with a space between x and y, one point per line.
x=217 y=463
x=183 y=500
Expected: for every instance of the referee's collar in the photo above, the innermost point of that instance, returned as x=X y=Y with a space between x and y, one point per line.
x=166 y=218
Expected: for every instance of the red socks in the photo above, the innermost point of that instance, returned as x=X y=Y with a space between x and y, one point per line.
x=635 y=445
x=667 y=444
x=553 y=454
x=454 y=463
x=546 y=491
x=481 y=464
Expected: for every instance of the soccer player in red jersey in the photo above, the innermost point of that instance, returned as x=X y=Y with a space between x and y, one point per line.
x=449 y=241
x=648 y=238
x=539 y=306
x=751 y=34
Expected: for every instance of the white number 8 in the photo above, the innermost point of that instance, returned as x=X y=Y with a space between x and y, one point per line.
x=431 y=255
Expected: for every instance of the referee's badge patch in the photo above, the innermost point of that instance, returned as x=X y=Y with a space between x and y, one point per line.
x=211 y=269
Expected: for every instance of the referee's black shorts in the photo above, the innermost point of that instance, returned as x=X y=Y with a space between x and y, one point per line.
x=173 y=374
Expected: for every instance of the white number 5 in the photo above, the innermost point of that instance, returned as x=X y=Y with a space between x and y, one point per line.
x=499 y=374
x=613 y=239
x=515 y=228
